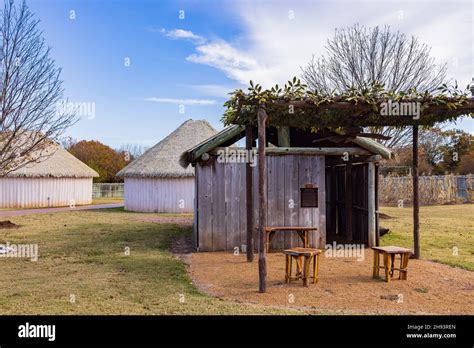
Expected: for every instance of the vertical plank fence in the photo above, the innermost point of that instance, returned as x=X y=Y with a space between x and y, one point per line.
x=443 y=189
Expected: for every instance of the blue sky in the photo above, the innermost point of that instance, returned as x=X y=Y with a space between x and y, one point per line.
x=139 y=63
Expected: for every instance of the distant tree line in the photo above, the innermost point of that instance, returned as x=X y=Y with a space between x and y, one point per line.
x=440 y=152
x=102 y=158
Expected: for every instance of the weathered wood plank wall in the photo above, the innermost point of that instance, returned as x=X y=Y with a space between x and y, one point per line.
x=159 y=195
x=221 y=201
x=18 y=192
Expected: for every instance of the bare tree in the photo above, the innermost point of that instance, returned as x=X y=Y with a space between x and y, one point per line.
x=31 y=91
x=68 y=142
x=132 y=151
x=359 y=57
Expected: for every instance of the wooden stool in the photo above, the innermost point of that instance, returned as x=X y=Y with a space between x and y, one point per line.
x=303 y=257
x=389 y=253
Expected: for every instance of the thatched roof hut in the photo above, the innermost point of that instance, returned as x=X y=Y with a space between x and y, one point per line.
x=155 y=182
x=56 y=179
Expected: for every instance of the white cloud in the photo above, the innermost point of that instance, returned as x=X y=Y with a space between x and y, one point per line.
x=283 y=44
x=236 y=64
x=279 y=37
x=180 y=34
x=181 y=101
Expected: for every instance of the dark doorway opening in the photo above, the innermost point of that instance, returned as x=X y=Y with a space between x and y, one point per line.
x=346 y=202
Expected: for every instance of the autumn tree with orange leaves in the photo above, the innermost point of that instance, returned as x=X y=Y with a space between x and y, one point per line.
x=102 y=158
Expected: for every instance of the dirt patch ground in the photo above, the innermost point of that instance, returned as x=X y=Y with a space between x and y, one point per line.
x=345 y=285
x=182 y=248
x=182 y=245
x=8 y=224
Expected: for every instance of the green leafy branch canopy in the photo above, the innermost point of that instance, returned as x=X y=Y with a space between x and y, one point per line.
x=296 y=105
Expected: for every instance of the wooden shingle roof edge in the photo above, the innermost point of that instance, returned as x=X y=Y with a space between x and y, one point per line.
x=225 y=137
x=373 y=146
x=234 y=133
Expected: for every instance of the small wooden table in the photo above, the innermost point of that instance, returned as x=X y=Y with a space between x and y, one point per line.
x=302 y=267
x=389 y=253
x=303 y=233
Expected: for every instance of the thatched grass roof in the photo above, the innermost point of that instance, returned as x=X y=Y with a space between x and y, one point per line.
x=55 y=162
x=162 y=160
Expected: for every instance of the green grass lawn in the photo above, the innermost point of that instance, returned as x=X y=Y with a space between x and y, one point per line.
x=444 y=230
x=82 y=256
x=107 y=200
x=100 y=200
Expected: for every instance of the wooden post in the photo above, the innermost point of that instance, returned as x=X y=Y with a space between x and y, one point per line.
x=248 y=179
x=348 y=202
x=371 y=204
x=416 y=202
x=333 y=204
x=196 y=207
x=262 y=200
x=377 y=225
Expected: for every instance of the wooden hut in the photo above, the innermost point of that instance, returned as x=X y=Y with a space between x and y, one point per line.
x=56 y=179
x=331 y=187
x=155 y=182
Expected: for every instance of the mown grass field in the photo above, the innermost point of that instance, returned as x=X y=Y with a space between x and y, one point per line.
x=107 y=200
x=82 y=257
x=100 y=200
x=446 y=232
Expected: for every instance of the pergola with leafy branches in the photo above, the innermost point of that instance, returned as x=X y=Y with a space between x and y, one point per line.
x=294 y=105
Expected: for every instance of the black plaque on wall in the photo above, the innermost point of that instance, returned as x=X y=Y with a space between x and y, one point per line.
x=309 y=197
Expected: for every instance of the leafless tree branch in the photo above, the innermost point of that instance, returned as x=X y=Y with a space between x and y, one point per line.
x=359 y=57
x=31 y=90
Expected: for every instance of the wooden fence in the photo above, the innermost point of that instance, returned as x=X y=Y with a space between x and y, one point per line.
x=107 y=190
x=447 y=189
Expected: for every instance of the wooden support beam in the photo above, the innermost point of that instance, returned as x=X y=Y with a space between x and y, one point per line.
x=248 y=180
x=363 y=107
x=371 y=211
x=195 y=239
x=225 y=135
x=348 y=202
x=325 y=151
x=262 y=200
x=333 y=204
x=283 y=136
x=339 y=161
x=416 y=202
x=373 y=147
x=363 y=155
x=377 y=225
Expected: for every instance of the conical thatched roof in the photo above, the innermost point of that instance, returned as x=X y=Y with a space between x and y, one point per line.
x=162 y=160
x=55 y=162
